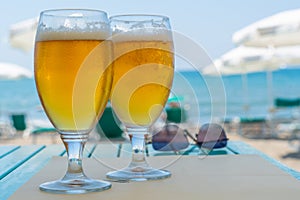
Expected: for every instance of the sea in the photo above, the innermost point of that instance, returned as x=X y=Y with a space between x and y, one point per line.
x=203 y=98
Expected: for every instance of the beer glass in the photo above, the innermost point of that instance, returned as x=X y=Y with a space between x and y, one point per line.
x=73 y=79
x=143 y=75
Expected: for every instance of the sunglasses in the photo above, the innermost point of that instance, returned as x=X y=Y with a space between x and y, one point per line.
x=173 y=138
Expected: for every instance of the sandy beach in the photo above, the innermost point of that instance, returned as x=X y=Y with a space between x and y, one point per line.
x=279 y=149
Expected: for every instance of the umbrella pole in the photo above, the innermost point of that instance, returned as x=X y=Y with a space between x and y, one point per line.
x=270 y=103
x=270 y=79
x=270 y=88
x=246 y=94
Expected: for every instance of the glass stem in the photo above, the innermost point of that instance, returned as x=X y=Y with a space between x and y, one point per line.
x=138 y=161
x=74 y=144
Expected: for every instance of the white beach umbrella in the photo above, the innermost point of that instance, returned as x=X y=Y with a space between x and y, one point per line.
x=282 y=29
x=239 y=61
x=22 y=34
x=13 y=71
x=243 y=60
x=252 y=59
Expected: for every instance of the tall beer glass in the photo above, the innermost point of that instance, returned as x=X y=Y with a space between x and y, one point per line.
x=73 y=79
x=143 y=74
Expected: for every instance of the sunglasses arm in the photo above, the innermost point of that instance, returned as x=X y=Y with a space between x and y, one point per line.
x=190 y=136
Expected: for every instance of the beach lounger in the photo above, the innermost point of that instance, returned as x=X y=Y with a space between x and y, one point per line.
x=21 y=128
x=175 y=113
x=285 y=116
x=109 y=125
x=285 y=109
x=19 y=124
x=253 y=127
x=38 y=131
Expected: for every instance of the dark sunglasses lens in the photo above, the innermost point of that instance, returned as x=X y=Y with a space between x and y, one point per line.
x=214 y=145
x=212 y=136
x=170 y=138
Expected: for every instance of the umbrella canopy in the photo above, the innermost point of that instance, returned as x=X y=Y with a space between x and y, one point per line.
x=13 y=71
x=282 y=29
x=243 y=60
x=233 y=62
x=22 y=34
x=251 y=59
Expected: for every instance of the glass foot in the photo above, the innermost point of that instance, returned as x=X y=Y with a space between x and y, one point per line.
x=75 y=186
x=138 y=174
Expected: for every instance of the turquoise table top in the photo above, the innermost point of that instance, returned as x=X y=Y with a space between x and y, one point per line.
x=19 y=163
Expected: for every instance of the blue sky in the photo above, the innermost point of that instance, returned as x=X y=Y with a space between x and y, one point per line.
x=210 y=23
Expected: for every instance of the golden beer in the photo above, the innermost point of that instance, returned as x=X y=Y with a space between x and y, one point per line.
x=73 y=80
x=143 y=75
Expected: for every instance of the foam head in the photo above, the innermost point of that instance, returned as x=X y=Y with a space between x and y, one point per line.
x=72 y=35
x=148 y=34
x=73 y=24
x=140 y=27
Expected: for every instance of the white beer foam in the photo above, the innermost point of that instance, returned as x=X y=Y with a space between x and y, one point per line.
x=46 y=35
x=143 y=35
